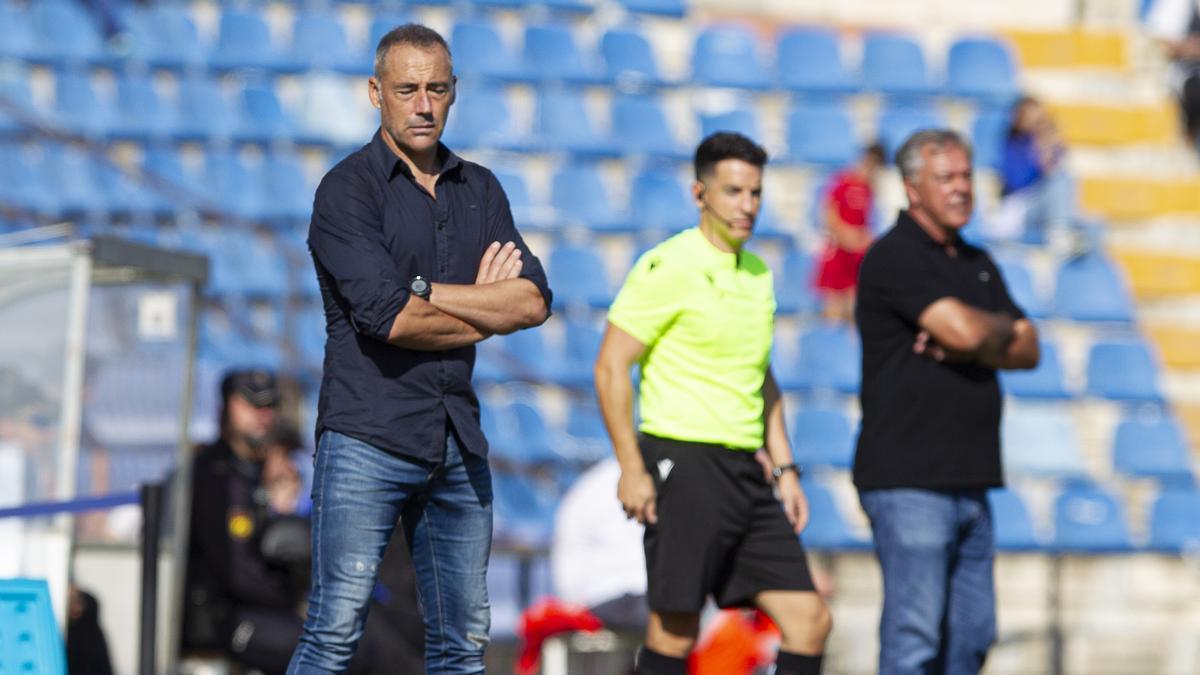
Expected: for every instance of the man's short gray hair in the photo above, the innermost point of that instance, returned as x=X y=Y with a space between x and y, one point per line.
x=910 y=158
x=413 y=34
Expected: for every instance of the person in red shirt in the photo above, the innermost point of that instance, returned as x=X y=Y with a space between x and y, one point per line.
x=847 y=209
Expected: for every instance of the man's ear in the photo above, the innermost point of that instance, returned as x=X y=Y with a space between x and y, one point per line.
x=373 y=91
x=453 y=89
x=698 y=189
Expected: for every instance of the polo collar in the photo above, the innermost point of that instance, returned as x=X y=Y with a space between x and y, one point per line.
x=908 y=225
x=389 y=164
x=708 y=255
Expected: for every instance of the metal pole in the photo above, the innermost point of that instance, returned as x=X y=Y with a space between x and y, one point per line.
x=152 y=497
x=1056 y=628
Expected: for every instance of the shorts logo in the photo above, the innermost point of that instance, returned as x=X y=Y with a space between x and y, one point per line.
x=664 y=468
x=984 y=276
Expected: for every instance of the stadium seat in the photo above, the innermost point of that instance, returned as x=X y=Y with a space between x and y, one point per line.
x=17 y=40
x=739 y=120
x=629 y=60
x=1011 y=524
x=21 y=181
x=1088 y=519
x=827 y=528
x=163 y=35
x=582 y=347
x=579 y=277
x=895 y=65
x=31 y=642
x=205 y=113
x=522 y=436
x=140 y=114
x=1041 y=441
x=563 y=124
x=1090 y=288
x=1046 y=381
x=287 y=194
x=65 y=34
x=527 y=215
x=79 y=108
x=319 y=43
x=72 y=173
x=823 y=135
x=262 y=117
x=728 y=56
x=17 y=95
x=483 y=120
x=822 y=436
x=579 y=196
x=1123 y=371
x=1153 y=449
x=989 y=132
x=794 y=290
x=1021 y=289
x=163 y=167
x=897 y=123
x=586 y=440
x=639 y=126
x=552 y=54
x=671 y=8
x=658 y=201
x=126 y=197
x=981 y=69
x=244 y=43
x=828 y=359
x=480 y=50
x=235 y=184
x=809 y=61
x=1174 y=525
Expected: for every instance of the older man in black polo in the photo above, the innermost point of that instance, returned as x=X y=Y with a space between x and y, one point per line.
x=936 y=323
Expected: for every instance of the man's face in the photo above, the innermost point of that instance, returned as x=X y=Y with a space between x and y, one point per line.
x=729 y=199
x=942 y=189
x=413 y=91
x=248 y=421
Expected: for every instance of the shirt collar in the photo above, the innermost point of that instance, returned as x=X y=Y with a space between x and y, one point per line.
x=389 y=164
x=708 y=255
x=908 y=225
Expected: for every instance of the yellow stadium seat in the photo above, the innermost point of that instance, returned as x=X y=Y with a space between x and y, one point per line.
x=1156 y=274
x=1100 y=124
x=1176 y=346
x=1136 y=198
x=1073 y=48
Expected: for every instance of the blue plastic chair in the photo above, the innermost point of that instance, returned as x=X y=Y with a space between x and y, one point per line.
x=78 y=106
x=244 y=43
x=728 y=56
x=24 y=182
x=524 y=437
x=585 y=435
x=828 y=359
x=809 y=61
x=74 y=175
x=896 y=124
x=794 y=284
x=30 y=641
x=579 y=277
x=1175 y=522
x=484 y=121
x=982 y=69
x=1019 y=282
x=827 y=528
x=579 y=195
x=1044 y=382
x=989 y=131
x=659 y=201
x=1011 y=524
x=1152 y=449
x=738 y=120
x=263 y=119
x=895 y=65
x=524 y=510
x=640 y=127
x=125 y=197
x=564 y=125
x=629 y=60
x=582 y=346
x=1088 y=519
x=141 y=114
x=822 y=436
x=670 y=8
x=287 y=194
x=1123 y=371
x=163 y=36
x=480 y=50
x=552 y=54
x=65 y=34
x=319 y=43
x=18 y=39
x=235 y=185
x=1090 y=288
x=205 y=113
x=1041 y=441
x=822 y=135
x=527 y=214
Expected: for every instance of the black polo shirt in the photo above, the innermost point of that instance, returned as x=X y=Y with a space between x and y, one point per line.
x=373 y=229
x=924 y=424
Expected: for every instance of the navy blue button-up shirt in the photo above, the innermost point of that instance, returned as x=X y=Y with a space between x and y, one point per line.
x=373 y=229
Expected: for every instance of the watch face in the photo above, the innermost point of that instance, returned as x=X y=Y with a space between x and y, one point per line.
x=419 y=286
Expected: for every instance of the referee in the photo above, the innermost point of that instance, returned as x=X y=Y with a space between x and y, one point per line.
x=697 y=313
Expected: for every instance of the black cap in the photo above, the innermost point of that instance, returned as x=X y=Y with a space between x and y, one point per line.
x=256 y=386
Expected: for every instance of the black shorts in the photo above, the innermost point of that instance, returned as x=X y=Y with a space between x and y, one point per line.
x=720 y=530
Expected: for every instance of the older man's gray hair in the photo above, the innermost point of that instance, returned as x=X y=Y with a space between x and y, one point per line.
x=909 y=158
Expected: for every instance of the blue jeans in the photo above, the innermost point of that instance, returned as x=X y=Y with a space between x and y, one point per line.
x=939 y=601
x=359 y=494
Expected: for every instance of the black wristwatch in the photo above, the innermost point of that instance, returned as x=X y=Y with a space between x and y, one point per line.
x=778 y=471
x=420 y=287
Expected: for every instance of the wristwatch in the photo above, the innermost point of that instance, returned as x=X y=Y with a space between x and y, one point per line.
x=420 y=287
x=778 y=471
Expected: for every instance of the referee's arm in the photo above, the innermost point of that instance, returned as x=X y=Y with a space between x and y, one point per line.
x=779 y=448
x=614 y=390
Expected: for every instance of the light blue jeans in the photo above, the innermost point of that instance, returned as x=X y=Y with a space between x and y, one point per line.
x=359 y=494
x=939 y=603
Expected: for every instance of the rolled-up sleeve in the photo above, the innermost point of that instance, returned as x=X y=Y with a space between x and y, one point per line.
x=346 y=241
x=501 y=228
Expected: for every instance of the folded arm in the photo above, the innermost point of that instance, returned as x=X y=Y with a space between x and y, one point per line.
x=952 y=330
x=500 y=307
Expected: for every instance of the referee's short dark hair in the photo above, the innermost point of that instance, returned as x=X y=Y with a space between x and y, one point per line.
x=413 y=34
x=727 y=145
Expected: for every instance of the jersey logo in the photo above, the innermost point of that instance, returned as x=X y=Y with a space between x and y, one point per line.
x=984 y=276
x=241 y=525
x=664 y=469
x=653 y=264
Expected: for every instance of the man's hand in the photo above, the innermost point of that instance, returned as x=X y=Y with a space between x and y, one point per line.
x=926 y=346
x=637 y=494
x=499 y=263
x=795 y=504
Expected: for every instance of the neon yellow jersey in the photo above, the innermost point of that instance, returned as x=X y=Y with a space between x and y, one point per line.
x=707 y=320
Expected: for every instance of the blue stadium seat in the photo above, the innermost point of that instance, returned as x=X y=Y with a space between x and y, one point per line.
x=582 y=347
x=895 y=64
x=728 y=56
x=579 y=196
x=480 y=50
x=821 y=134
x=1123 y=371
x=287 y=193
x=262 y=117
x=1011 y=524
x=659 y=201
x=586 y=440
x=522 y=436
x=236 y=186
x=527 y=214
x=1090 y=288
x=989 y=131
x=17 y=40
x=482 y=120
x=827 y=528
x=828 y=359
x=809 y=61
x=1019 y=282
x=563 y=124
x=524 y=510
x=629 y=60
x=319 y=43
x=17 y=95
x=264 y=276
x=1153 y=449
x=525 y=356
x=1175 y=522
x=22 y=183
x=163 y=167
x=127 y=198
x=65 y=34
x=896 y=124
x=579 y=277
x=163 y=35
x=1046 y=381
x=1088 y=519
x=72 y=172
x=244 y=43
x=640 y=127
x=983 y=69
x=205 y=113
x=141 y=114
x=670 y=8
x=822 y=436
x=1041 y=441
x=80 y=109
x=794 y=290
x=739 y=120
x=308 y=335
x=30 y=642
x=552 y=54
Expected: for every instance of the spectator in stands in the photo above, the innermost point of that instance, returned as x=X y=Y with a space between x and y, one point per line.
x=936 y=323
x=418 y=260
x=1176 y=25
x=847 y=214
x=1038 y=193
x=697 y=312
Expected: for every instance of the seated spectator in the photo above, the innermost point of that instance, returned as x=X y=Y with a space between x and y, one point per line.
x=847 y=210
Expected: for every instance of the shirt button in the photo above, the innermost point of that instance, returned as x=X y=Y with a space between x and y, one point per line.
x=441 y=226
